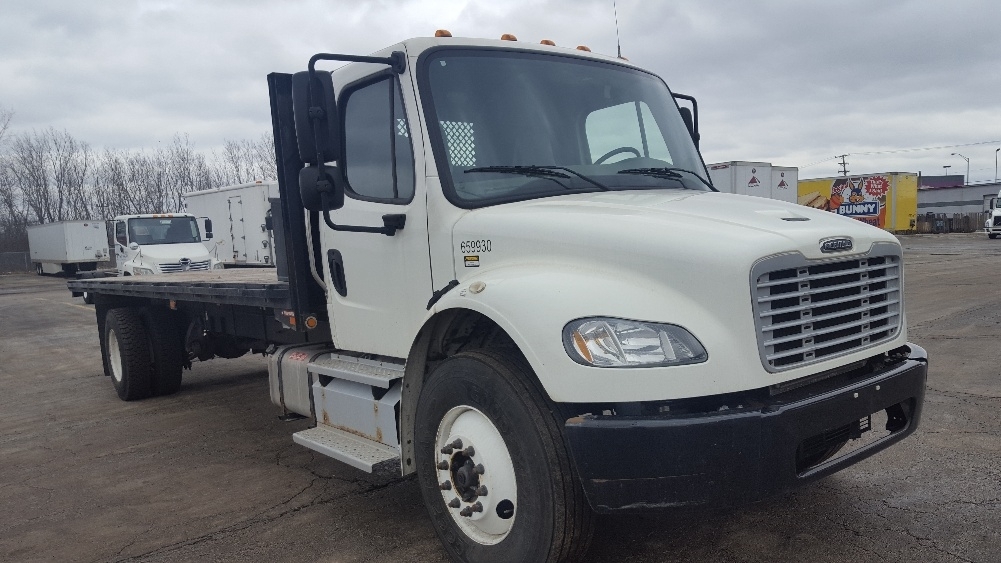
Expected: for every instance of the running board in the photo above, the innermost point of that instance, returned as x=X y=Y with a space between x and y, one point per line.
x=349 y=368
x=362 y=453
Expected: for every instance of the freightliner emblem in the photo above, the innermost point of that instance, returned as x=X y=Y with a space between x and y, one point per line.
x=836 y=245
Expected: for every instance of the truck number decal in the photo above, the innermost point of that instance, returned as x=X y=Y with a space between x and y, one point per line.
x=474 y=246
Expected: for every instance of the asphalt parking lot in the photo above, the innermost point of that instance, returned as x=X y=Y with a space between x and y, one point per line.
x=211 y=473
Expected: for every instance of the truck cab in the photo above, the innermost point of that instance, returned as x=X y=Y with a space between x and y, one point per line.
x=161 y=244
x=993 y=223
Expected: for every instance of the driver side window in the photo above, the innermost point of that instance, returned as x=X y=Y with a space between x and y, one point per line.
x=625 y=130
x=120 y=233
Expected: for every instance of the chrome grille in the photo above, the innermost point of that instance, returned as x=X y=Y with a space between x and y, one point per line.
x=179 y=267
x=813 y=311
x=997 y=221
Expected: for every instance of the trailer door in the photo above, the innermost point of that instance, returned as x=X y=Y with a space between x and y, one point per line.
x=237 y=229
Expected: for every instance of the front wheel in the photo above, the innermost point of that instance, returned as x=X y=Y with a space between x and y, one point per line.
x=493 y=466
x=992 y=235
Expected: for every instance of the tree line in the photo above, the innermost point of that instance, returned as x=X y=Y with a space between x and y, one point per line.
x=50 y=175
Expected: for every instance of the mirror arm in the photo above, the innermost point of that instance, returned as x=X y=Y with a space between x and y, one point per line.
x=391 y=223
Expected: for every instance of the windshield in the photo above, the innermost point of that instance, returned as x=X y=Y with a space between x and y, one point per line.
x=163 y=230
x=506 y=120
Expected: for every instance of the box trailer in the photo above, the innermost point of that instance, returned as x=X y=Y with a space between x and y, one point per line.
x=67 y=246
x=239 y=216
x=887 y=200
x=759 y=179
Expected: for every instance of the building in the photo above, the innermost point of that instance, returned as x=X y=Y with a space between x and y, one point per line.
x=948 y=195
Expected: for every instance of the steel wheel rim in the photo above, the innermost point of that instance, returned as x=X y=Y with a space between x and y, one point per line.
x=498 y=507
x=115 y=356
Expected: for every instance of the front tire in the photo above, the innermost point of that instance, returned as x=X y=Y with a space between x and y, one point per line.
x=127 y=354
x=484 y=421
x=992 y=235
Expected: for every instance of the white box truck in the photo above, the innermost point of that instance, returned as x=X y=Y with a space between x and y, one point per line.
x=992 y=226
x=759 y=179
x=67 y=246
x=239 y=215
x=479 y=293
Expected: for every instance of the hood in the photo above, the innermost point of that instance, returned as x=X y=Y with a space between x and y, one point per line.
x=697 y=229
x=172 y=253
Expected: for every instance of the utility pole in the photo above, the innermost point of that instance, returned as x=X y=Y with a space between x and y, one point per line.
x=843 y=164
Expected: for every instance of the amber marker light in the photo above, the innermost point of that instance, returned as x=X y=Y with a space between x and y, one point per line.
x=311 y=322
x=549 y=42
x=508 y=37
x=581 y=346
x=442 y=33
x=583 y=48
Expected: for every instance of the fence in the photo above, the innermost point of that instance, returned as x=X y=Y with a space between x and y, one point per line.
x=15 y=262
x=951 y=222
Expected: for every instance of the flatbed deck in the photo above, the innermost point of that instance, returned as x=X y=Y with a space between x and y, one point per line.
x=251 y=287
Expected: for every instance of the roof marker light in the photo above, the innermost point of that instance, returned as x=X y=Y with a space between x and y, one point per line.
x=549 y=42
x=508 y=37
x=442 y=33
x=583 y=48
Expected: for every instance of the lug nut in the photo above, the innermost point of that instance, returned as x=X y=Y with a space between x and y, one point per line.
x=454 y=503
x=446 y=450
x=478 y=469
x=446 y=485
x=457 y=444
x=480 y=491
x=468 y=452
x=443 y=465
x=466 y=512
x=476 y=508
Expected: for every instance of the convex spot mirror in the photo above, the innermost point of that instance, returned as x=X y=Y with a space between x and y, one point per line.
x=316 y=119
x=133 y=246
x=321 y=193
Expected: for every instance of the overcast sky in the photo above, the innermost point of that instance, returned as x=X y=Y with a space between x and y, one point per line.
x=787 y=82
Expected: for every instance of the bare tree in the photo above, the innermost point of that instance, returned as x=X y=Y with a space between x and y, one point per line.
x=246 y=161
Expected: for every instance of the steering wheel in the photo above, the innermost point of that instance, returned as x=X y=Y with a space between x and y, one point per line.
x=614 y=152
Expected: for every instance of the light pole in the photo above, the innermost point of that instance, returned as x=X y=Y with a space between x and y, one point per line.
x=967 y=182
x=996 y=165
x=947 y=167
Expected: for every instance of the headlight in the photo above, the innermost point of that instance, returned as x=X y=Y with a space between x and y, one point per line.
x=607 y=342
x=142 y=271
x=218 y=266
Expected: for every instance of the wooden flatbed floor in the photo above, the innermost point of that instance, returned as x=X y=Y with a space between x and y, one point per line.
x=259 y=287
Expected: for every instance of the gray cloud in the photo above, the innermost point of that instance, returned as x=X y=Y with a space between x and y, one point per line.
x=783 y=81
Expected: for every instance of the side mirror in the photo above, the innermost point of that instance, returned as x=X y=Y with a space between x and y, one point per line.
x=316 y=119
x=208 y=229
x=690 y=116
x=133 y=246
x=686 y=116
x=318 y=193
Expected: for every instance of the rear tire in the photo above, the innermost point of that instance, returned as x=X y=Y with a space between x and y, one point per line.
x=495 y=403
x=167 y=350
x=127 y=354
x=88 y=298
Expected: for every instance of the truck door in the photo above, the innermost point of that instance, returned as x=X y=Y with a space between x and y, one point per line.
x=121 y=243
x=381 y=283
x=237 y=230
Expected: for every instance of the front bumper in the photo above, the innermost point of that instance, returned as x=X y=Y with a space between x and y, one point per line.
x=641 y=463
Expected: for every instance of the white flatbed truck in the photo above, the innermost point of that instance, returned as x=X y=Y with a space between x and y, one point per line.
x=501 y=266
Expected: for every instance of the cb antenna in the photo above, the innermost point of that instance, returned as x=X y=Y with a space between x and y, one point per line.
x=618 y=44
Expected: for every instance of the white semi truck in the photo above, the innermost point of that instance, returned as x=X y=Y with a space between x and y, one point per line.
x=993 y=223
x=239 y=213
x=161 y=243
x=502 y=267
x=67 y=246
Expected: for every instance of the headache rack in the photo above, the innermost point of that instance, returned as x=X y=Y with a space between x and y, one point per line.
x=806 y=311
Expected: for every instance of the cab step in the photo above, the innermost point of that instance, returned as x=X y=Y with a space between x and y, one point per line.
x=368 y=455
x=359 y=370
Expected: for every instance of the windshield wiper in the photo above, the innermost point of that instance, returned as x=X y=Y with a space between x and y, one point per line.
x=666 y=172
x=548 y=172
